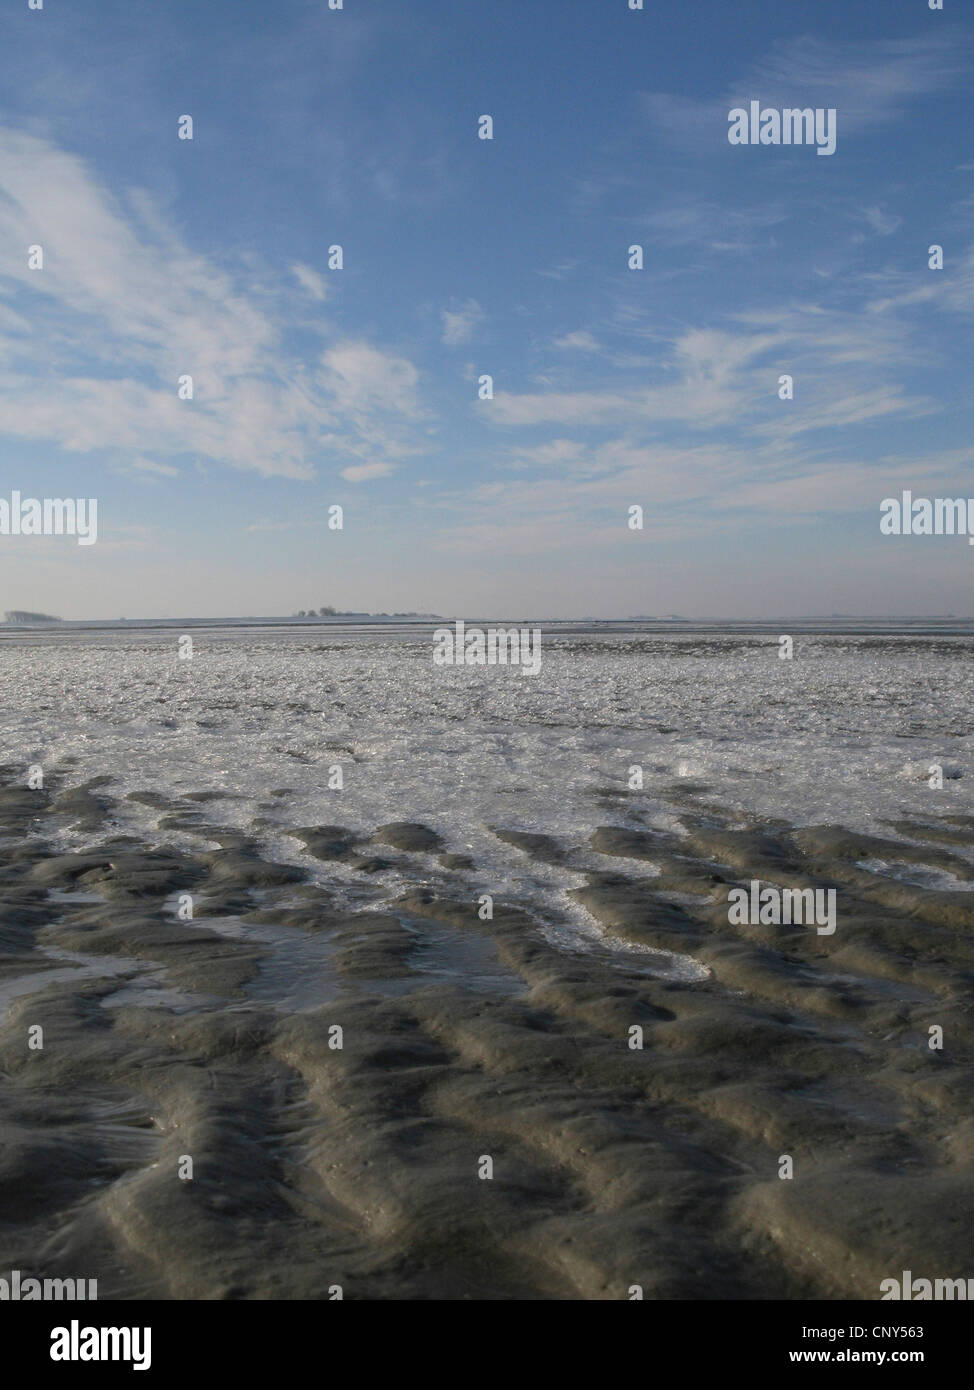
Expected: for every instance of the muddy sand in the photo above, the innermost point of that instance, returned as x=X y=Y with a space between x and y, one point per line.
x=464 y=1040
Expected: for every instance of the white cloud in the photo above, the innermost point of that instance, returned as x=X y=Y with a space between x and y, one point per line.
x=883 y=223
x=459 y=322
x=310 y=280
x=580 y=341
x=152 y=466
x=558 y=452
x=359 y=378
x=562 y=271
x=364 y=472
x=123 y=308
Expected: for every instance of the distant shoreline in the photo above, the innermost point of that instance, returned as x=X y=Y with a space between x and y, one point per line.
x=364 y=622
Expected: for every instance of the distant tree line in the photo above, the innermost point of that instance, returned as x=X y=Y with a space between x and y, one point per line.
x=16 y=615
x=348 y=613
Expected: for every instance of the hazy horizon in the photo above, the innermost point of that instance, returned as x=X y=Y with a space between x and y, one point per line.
x=517 y=614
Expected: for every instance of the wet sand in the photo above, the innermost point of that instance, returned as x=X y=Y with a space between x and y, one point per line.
x=316 y=1166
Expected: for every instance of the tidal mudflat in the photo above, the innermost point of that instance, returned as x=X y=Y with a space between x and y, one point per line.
x=513 y=1048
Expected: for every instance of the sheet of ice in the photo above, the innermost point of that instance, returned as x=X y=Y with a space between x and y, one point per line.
x=829 y=737
x=919 y=875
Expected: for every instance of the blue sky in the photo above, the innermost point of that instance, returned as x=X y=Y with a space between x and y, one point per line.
x=463 y=257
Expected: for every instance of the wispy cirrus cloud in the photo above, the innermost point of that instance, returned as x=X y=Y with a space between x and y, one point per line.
x=950 y=290
x=698 y=221
x=870 y=84
x=93 y=345
x=882 y=222
x=708 y=388
x=845 y=364
x=311 y=281
x=579 y=341
x=687 y=491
